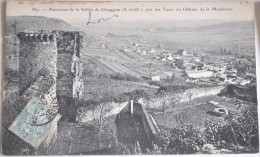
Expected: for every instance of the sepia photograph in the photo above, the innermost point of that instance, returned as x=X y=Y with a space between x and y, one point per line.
x=129 y=78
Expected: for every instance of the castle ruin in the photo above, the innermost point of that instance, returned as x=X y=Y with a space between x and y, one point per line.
x=52 y=58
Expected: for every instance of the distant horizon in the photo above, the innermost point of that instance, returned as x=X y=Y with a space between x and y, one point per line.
x=78 y=22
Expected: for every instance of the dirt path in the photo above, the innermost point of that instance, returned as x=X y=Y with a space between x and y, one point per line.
x=146 y=85
x=184 y=107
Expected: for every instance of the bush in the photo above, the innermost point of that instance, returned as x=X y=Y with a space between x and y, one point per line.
x=239 y=130
x=238 y=134
x=134 y=95
x=171 y=89
x=125 y=77
x=185 y=140
x=119 y=76
x=170 y=79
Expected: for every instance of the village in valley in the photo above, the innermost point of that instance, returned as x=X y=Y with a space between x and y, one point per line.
x=143 y=89
x=196 y=66
x=177 y=85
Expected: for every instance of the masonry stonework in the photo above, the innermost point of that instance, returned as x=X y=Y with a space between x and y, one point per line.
x=69 y=65
x=69 y=70
x=54 y=57
x=38 y=57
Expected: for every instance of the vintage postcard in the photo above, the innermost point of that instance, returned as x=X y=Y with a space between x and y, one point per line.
x=114 y=78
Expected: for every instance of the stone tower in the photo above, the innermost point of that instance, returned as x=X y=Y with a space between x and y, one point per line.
x=55 y=58
x=38 y=62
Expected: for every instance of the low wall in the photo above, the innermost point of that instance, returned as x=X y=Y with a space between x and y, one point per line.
x=185 y=96
x=85 y=115
x=194 y=93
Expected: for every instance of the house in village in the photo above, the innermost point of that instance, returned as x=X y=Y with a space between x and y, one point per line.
x=136 y=44
x=190 y=65
x=251 y=72
x=245 y=80
x=102 y=45
x=158 y=58
x=155 y=78
x=103 y=35
x=153 y=51
x=231 y=71
x=126 y=49
x=144 y=52
x=161 y=46
x=198 y=71
x=143 y=41
x=176 y=58
x=195 y=59
x=137 y=49
x=231 y=79
x=217 y=68
x=182 y=52
x=168 y=56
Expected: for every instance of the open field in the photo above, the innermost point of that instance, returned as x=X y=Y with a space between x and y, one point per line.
x=94 y=86
x=195 y=112
x=195 y=115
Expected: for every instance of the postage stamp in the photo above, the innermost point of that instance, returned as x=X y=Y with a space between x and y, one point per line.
x=35 y=122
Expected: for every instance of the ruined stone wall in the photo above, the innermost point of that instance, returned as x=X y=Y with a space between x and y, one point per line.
x=194 y=93
x=69 y=65
x=69 y=70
